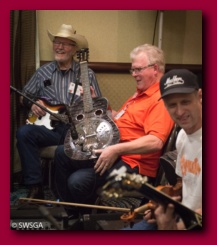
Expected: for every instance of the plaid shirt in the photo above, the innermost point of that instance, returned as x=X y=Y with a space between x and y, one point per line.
x=48 y=82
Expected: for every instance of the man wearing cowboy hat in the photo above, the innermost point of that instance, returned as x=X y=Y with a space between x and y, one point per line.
x=55 y=82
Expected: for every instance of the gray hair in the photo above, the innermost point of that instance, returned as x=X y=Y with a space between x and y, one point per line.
x=154 y=55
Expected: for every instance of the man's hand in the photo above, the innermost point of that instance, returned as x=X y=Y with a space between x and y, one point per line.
x=106 y=160
x=165 y=217
x=149 y=216
x=37 y=110
x=92 y=91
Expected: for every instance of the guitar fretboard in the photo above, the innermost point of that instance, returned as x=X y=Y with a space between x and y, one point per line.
x=87 y=99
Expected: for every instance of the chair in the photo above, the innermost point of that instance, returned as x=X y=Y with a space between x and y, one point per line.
x=163 y=177
x=47 y=157
x=168 y=164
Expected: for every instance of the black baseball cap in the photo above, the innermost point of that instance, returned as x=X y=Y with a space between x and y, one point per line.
x=178 y=81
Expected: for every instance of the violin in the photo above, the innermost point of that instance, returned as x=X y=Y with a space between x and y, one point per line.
x=151 y=205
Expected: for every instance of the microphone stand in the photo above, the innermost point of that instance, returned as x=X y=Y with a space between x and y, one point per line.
x=44 y=211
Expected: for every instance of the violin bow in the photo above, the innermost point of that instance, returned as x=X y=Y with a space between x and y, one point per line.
x=74 y=204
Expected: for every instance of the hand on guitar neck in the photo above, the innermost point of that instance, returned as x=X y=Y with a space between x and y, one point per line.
x=92 y=91
x=149 y=208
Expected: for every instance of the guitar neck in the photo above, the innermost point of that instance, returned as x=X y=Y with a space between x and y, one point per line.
x=192 y=220
x=87 y=99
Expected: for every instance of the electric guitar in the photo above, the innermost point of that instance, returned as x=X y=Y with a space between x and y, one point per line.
x=48 y=120
x=95 y=129
x=121 y=183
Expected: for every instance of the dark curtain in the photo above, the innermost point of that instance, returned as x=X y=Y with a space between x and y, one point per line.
x=22 y=67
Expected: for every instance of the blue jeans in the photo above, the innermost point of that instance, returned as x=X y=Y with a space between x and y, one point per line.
x=76 y=181
x=141 y=226
x=29 y=139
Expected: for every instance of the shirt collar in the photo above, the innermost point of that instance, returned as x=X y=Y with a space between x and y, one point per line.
x=152 y=89
x=71 y=67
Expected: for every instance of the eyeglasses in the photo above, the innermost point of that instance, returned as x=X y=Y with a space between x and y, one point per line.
x=139 y=69
x=57 y=43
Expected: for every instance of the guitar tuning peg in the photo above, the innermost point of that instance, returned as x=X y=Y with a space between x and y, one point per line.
x=118 y=172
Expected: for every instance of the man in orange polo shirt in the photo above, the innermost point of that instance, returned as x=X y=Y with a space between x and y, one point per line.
x=144 y=126
x=143 y=121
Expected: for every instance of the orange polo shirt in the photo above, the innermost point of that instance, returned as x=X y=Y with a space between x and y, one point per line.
x=144 y=115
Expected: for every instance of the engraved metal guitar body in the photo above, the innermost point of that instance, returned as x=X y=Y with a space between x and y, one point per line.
x=95 y=129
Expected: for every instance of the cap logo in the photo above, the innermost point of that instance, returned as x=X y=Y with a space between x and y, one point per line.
x=173 y=81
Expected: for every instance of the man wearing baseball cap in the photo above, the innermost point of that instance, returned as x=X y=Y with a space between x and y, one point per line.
x=182 y=98
x=54 y=83
x=181 y=83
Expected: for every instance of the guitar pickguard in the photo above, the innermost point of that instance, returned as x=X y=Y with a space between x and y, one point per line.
x=96 y=130
x=46 y=119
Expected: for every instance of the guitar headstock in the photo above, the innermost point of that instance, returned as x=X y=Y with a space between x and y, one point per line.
x=120 y=183
x=83 y=54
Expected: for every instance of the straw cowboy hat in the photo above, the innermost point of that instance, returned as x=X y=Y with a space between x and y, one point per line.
x=67 y=31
